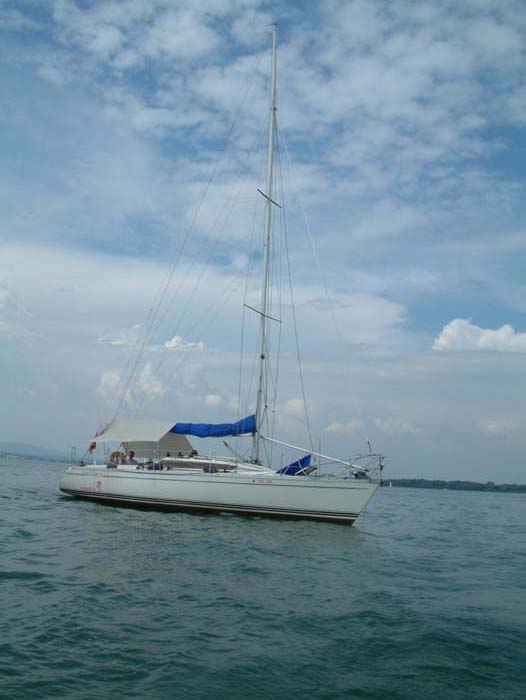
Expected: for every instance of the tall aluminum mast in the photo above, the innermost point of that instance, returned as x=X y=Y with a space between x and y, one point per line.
x=261 y=395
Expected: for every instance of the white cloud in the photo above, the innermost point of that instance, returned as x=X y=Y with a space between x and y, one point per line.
x=500 y=426
x=147 y=384
x=494 y=243
x=145 y=388
x=109 y=382
x=106 y=40
x=155 y=117
x=224 y=87
x=179 y=34
x=358 y=319
x=12 y=19
x=494 y=40
x=294 y=407
x=126 y=336
x=389 y=218
x=214 y=400
x=461 y=334
x=54 y=73
x=517 y=105
x=15 y=319
x=251 y=28
x=349 y=428
x=127 y=58
x=178 y=343
x=87 y=28
x=396 y=426
x=4 y=294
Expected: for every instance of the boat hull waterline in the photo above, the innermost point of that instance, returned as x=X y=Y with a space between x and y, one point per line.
x=263 y=494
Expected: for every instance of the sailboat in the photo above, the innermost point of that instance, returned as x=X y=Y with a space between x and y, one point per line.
x=158 y=467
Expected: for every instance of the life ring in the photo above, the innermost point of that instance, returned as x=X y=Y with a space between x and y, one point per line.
x=117 y=457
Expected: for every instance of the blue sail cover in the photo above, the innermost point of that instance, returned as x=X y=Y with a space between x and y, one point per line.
x=296 y=467
x=245 y=425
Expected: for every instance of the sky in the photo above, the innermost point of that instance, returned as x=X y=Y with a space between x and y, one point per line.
x=133 y=139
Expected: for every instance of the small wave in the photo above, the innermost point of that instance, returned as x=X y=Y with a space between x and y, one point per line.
x=21 y=575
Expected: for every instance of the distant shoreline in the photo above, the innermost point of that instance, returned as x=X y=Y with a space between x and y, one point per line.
x=440 y=484
x=36 y=457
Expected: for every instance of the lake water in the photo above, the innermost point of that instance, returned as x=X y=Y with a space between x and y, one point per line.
x=423 y=598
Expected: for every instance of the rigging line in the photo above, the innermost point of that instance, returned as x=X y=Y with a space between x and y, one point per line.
x=278 y=351
x=252 y=371
x=203 y=269
x=149 y=326
x=242 y=342
x=267 y=455
x=208 y=317
x=248 y=272
x=313 y=246
x=225 y=213
x=269 y=379
x=163 y=289
x=231 y=203
x=110 y=414
x=323 y=279
x=289 y=270
x=241 y=180
x=266 y=330
x=276 y=376
x=273 y=371
x=210 y=312
x=273 y=380
x=199 y=278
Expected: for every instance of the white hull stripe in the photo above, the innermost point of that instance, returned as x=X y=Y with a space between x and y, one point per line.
x=205 y=505
x=248 y=482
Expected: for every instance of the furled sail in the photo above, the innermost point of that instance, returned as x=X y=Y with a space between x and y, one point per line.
x=243 y=426
x=296 y=467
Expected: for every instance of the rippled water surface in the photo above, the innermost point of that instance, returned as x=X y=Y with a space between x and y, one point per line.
x=423 y=598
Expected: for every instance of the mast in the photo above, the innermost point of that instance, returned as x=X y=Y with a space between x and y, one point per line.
x=261 y=393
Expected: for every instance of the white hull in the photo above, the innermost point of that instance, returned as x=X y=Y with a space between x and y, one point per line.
x=258 y=493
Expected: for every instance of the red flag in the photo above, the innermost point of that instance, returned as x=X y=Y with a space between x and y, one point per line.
x=92 y=447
